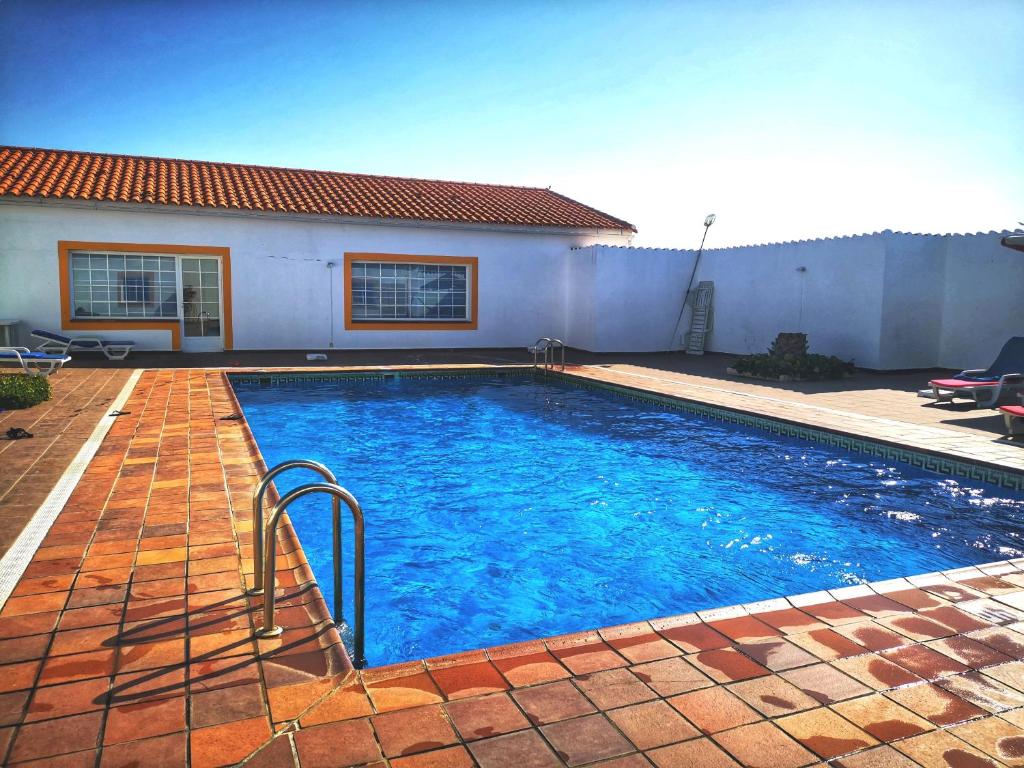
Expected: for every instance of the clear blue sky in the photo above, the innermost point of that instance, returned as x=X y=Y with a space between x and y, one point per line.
x=788 y=120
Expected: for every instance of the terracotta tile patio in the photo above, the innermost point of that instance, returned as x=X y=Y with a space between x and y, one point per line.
x=128 y=641
x=59 y=427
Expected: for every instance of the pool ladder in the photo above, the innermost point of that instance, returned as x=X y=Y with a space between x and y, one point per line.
x=265 y=553
x=547 y=346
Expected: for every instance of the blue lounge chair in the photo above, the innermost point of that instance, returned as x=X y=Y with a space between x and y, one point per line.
x=984 y=385
x=32 y=363
x=59 y=344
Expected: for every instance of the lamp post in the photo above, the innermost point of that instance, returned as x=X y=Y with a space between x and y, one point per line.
x=708 y=221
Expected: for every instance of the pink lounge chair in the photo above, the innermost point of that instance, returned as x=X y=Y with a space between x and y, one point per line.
x=984 y=385
x=1014 y=417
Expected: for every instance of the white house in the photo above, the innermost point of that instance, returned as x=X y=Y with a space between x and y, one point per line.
x=201 y=256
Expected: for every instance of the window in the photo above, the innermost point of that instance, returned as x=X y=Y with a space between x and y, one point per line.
x=115 y=285
x=411 y=291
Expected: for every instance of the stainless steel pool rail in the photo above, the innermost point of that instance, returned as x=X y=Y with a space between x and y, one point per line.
x=339 y=494
x=546 y=346
x=257 y=514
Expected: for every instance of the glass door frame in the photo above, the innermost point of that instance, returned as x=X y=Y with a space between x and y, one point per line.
x=201 y=343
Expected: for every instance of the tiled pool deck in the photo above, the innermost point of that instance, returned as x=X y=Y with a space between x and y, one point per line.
x=128 y=641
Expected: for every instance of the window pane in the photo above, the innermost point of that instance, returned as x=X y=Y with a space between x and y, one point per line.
x=409 y=291
x=123 y=285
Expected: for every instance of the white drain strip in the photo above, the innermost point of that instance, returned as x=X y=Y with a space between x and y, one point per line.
x=17 y=558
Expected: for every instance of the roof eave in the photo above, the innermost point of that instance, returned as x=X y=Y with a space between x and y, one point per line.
x=324 y=218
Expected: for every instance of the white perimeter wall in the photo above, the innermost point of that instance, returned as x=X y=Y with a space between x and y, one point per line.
x=281 y=287
x=983 y=300
x=886 y=301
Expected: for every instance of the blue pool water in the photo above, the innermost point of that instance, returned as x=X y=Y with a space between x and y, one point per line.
x=500 y=509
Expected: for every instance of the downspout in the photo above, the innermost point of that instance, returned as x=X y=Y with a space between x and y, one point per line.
x=330 y=290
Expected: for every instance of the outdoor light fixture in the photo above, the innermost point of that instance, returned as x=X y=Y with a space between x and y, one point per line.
x=708 y=221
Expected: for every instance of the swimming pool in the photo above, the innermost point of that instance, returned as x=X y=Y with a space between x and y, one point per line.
x=502 y=508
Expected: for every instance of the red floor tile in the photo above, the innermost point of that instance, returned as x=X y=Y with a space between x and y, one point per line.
x=469 y=680
x=403 y=692
x=652 y=724
x=239 y=702
x=614 y=688
x=744 y=629
x=449 y=757
x=552 y=702
x=764 y=745
x=924 y=662
x=56 y=737
x=671 y=676
x=689 y=754
x=695 y=637
x=485 y=717
x=726 y=665
x=586 y=740
x=714 y=709
x=410 y=731
x=531 y=669
x=128 y=722
x=590 y=657
x=229 y=742
x=525 y=749
x=160 y=752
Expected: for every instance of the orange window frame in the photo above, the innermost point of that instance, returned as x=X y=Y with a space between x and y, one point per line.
x=69 y=323
x=405 y=325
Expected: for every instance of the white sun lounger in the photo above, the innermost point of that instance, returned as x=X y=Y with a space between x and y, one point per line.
x=32 y=363
x=58 y=343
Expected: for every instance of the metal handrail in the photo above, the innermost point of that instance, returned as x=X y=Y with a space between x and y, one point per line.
x=538 y=348
x=561 y=346
x=269 y=628
x=257 y=513
x=545 y=345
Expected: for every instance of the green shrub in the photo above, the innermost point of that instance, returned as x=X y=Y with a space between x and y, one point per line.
x=807 y=367
x=788 y=358
x=22 y=391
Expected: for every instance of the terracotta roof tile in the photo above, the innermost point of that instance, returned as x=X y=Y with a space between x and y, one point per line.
x=51 y=173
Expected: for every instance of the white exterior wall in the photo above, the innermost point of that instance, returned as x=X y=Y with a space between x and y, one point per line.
x=887 y=301
x=983 y=300
x=836 y=300
x=281 y=286
x=758 y=293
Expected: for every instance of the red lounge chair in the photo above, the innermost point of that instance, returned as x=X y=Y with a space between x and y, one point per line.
x=1014 y=416
x=984 y=385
